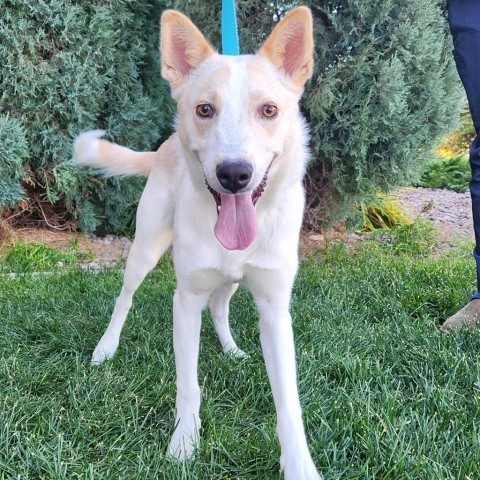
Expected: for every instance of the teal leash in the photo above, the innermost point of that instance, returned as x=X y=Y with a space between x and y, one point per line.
x=230 y=45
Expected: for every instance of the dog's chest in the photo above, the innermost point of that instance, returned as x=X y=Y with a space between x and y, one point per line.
x=208 y=267
x=206 y=270
x=204 y=264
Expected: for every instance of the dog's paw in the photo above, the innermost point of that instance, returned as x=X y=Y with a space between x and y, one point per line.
x=234 y=351
x=105 y=350
x=185 y=440
x=299 y=469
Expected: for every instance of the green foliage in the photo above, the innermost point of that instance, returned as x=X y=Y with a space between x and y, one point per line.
x=381 y=212
x=384 y=89
x=71 y=66
x=454 y=174
x=390 y=229
x=458 y=142
x=416 y=238
x=13 y=153
x=451 y=168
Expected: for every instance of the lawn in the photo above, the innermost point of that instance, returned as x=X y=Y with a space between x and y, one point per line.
x=385 y=394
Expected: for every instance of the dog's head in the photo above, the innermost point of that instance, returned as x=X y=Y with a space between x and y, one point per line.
x=236 y=114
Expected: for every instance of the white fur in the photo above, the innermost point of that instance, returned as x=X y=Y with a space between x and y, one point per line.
x=176 y=206
x=85 y=147
x=91 y=151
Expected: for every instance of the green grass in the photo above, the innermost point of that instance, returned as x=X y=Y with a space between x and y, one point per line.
x=385 y=395
x=36 y=257
x=417 y=238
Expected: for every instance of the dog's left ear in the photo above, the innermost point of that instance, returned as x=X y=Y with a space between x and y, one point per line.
x=290 y=46
x=182 y=46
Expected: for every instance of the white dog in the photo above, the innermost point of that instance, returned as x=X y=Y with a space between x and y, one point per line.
x=226 y=189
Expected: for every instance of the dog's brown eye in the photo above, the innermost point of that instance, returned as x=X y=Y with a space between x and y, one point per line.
x=204 y=110
x=269 y=110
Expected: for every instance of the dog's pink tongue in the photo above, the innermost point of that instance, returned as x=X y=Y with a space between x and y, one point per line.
x=236 y=226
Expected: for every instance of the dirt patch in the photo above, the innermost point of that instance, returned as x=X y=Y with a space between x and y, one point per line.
x=311 y=242
x=448 y=210
x=111 y=250
x=106 y=251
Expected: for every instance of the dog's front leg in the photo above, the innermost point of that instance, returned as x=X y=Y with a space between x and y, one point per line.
x=187 y=312
x=153 y=236
x=276 y=337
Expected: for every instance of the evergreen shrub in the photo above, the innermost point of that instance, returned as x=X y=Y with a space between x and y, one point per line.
x=71 y=66
x=13 y=153
x=384 y=89
x=453 y=173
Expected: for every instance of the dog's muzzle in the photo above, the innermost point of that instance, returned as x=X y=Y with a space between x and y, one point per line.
x=236 y=225
x=256 y=194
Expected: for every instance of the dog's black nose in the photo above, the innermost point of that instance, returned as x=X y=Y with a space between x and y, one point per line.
x=234 y=176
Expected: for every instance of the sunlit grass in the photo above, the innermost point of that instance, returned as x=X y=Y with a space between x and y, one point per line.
x=385 y=394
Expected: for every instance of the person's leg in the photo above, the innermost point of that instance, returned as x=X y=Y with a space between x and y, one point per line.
x=463 y=18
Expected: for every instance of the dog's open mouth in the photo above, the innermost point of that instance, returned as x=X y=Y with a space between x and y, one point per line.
x=236 y=226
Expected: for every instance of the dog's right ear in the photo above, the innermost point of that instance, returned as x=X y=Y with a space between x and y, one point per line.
x=183 y=47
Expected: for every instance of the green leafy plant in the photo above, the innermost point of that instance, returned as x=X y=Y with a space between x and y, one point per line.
x=414 y=238
x=373 y=115
x=383 y=90
x=13 y=154
x=382 y=212
x=458 y=142
x=453 y=173
x=393 y=230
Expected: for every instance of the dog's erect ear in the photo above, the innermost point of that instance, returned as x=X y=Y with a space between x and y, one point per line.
x=290 y=45
x=182 y=46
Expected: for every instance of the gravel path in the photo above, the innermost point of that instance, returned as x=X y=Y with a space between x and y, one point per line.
x=451 y=212
x=109 y=251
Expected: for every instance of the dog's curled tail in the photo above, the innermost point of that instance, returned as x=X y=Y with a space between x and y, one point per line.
x=112 y=159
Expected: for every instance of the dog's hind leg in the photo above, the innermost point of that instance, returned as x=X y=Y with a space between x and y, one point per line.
x=152 y=238
x=219 y=308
